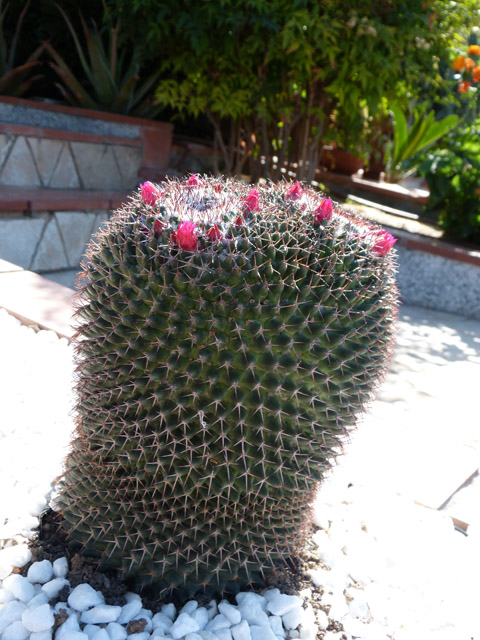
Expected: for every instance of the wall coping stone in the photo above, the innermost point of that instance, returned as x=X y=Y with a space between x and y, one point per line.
x=28 y=200
x=22 y=111
x=71 y=136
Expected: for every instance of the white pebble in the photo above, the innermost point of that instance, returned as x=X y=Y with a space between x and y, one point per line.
x=16 y=631
x=101 y=634
x=161 y=622
x=60 y=567
x=339 y=607
x=169 y=610
x=53 y=587
x=218 y=622
x=21 y=588
x=308 y=627
x=193 y=636
x=201 y=616
x=277 y=626
x=253 y=613
x=241 y=631
x=73 y=635
x=322 y=619
x=183 y=625
x=143 y=635
x=10 y=612
x=41 y=635
x=83 y=597
x=247 y=597
x=189 y=607
x=292 y=619
x=293 y=633
x=230 y=612
x=129 y=611
x=207 y=635
x=6 y=596
x=223 y=634
x=38 y=600
x=70 y=624
x=116 y=631
x=282 y=603
x=101 y=614
x=40 y=572
x=38 y=618
x=91 y=630
x=262 y=633
x=271 y=593
x=17 y=555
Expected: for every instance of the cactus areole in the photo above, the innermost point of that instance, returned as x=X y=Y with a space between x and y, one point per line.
x=227 y=339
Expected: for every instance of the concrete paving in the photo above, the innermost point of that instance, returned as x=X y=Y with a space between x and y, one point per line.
x=421 y=436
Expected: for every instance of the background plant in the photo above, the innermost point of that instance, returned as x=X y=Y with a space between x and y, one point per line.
x=112 y=72
x=277 y=77
x=15 y=79
x=452 y=173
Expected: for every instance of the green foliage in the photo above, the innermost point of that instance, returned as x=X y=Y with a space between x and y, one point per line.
x=453 y=177
x=408 y=141
x=279 y=78
x=15 y=80
x=215 y=384
x=111 y=77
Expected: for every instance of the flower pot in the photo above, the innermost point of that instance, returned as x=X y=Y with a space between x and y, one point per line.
x=340 y=161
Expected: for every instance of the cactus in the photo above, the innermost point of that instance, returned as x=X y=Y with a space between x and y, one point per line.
x=227 y=339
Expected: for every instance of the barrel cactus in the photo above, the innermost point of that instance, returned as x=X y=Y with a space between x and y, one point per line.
x=227 y=339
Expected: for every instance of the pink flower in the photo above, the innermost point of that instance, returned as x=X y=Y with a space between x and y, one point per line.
x=158 y=227
x=295 y=192
x=324 y=210
x=185 y=236
x=384 y=241
x=252 y=201
x=238 y=222
x=193 y=181
x=150 y=193
x=214 y=233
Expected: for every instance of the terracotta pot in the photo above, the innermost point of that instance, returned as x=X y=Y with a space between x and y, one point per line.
x=340 y=161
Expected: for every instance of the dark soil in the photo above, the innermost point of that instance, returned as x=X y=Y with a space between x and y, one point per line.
x=52 y=542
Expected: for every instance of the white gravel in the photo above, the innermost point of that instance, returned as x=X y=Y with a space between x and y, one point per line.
x=396 y=570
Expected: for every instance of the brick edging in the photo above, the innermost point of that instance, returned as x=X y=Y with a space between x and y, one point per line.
x=413 y=241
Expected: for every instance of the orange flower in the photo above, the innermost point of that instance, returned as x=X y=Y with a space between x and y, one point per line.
x=469 y=63
x=473 y=50
x=476 y=74
x=463 y=87
x=459 y=63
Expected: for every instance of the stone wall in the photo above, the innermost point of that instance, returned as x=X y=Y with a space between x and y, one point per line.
x=48 y=241
x=440 y=283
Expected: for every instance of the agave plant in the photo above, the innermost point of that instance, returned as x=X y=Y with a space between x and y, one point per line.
x=15 y=80
x=113 y=80
x=402 y=153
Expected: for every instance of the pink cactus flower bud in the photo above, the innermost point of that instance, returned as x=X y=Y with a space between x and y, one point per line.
x=324 y=211
x=383 y=243
x=150 y=193
x=185 y=236
x=238 y=222
x=193 y=181
x=252 y=201
x=214 y=233
x=217 y=188
x=295 y=192
x=158 y=227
